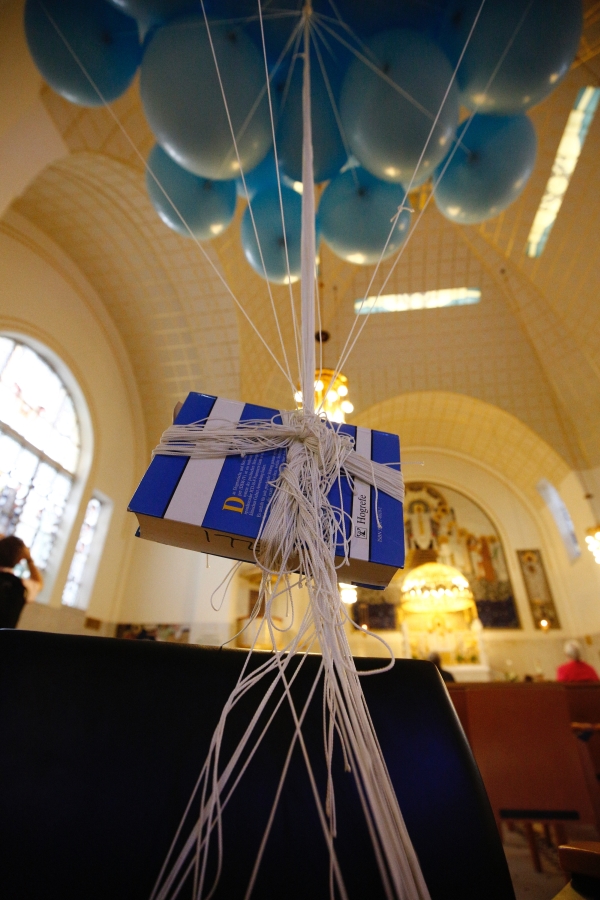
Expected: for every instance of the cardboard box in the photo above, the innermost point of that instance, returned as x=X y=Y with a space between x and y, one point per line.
x=217 y=505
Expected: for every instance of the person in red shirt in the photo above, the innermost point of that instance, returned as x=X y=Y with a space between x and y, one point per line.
x=576 y=669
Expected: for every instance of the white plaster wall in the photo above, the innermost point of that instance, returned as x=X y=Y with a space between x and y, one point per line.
x=171 y=585
x=35 y=131
x=582 y=577
x=20 y=81
x=29 y=140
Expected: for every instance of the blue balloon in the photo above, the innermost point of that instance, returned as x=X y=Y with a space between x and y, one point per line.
x=489 y=169
x=329 y=154
x=262 y=176
x=543 y=46
x=184 y=104
x=102 y=41
x=267 y=217
x=206 y=207
x=150 y=12
x=369 y=18
x=355 y=216
x=387 y=131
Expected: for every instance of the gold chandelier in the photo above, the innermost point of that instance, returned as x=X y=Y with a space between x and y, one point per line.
x=592 y=539
x=436 y=588
x=331 y=395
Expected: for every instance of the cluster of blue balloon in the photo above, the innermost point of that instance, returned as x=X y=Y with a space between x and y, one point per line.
x=385 y=109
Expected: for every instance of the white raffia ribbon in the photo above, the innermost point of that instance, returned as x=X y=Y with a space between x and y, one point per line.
x=299 y=533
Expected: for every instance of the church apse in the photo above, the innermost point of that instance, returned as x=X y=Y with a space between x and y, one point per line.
x=445 y=526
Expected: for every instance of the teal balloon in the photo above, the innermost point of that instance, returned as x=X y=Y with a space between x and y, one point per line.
x=368 y=18
x=386 y=131
x=103 y=43
x=182 y=199
x=262 y=176
x=355 y=216
x=151 y=12
x=183 y=101
x=489 y=169
x=539 y=40
x=329 y=154
x=267 y=217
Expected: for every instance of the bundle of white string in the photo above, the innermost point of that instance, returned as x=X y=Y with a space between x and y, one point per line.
x=299 y=534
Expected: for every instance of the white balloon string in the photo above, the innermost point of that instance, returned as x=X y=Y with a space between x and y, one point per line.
x=308 y=237
x=240 y=169
x=347 y=348
x=297 y=31
x=447 y=162
x=334 y=107
x=106 y=105
x=300 y=533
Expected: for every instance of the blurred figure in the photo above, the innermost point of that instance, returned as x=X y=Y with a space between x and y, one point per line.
x=436 y=659
x=576 y=669
x=15 y=592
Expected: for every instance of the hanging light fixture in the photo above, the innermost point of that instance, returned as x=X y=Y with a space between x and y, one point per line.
x=348 y=593
x=592 y=539
x=331 y=395
x=436 y=588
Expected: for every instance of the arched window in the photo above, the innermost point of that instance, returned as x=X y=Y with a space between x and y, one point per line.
x=39 y=447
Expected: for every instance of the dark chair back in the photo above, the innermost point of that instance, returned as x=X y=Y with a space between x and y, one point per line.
x=102 y=741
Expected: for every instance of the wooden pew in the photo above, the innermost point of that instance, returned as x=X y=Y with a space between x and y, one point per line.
x=584 y=706
x=533 y=766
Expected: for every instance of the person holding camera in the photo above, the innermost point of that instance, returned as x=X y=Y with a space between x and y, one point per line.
x=15 y=592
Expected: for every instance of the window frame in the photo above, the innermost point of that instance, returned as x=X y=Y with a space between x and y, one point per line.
x=82 y=471
x=90 y=568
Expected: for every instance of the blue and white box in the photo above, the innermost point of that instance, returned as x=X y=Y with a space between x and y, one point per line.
x=217 y=505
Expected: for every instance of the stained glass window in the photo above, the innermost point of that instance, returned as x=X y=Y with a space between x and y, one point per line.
x=420 y=300
x=567 y=155
x=39 y=448
x=71 y=594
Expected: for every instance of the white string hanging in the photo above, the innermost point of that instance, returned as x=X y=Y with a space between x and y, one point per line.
x=299 y=533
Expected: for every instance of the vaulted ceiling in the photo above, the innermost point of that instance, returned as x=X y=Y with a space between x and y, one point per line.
x=531 y=347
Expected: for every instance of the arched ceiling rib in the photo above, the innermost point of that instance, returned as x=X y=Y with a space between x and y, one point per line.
x=481 y=431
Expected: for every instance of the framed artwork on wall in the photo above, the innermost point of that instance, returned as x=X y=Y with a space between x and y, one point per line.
x=539 y=595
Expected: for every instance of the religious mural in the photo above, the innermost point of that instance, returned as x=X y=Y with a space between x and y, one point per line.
x=539 y=595
x=461 y=535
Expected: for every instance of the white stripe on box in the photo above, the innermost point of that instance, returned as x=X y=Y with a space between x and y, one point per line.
x=361 y=503
x=192 y=495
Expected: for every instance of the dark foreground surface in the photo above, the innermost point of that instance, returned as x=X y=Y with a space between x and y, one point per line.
x=102 y=742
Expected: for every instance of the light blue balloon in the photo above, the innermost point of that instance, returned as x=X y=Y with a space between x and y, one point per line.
x=262 y=176
x=207 y=207
x=489 y=170
x=183 y=101
x=385 y=130
x=105 y=42
x=540 y=39
x=355 y=216
x=267 y=217
x=368 y=18
x=329 y=154
x=151 y=12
